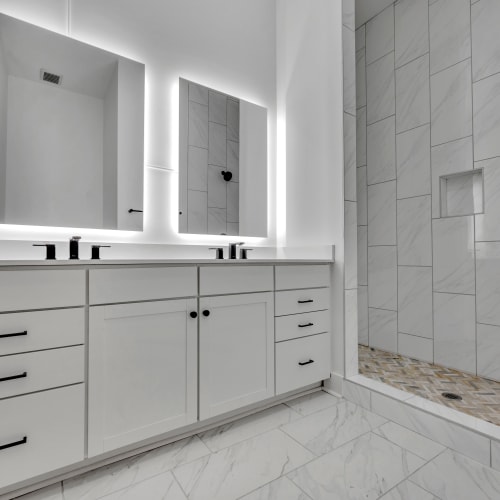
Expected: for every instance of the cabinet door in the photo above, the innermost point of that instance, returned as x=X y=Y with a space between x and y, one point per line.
x=236 y=352
x=142 y=371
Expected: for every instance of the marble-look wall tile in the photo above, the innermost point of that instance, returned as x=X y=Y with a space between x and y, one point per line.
x=450 y=158
x=233 y=120
x=197 y=212
x=380 y=35
x=450 y=38
x=415 y=301
x=380 y=86
x=348 y=13
x=360 y=78
x=362 y=196
x=412 y=94
x=217 y=221
x=351 y=332
x=488 y=283
x=349 y=53
x=362 y=255
x=382 y=328
x=198 y=93
x=356 y=394
x=217 y=107
x=462 y=194
x=412 y=30
x=487 y=224
x=233 y=229
x=451 y=102
x=414 y=231
x=488 y=351
x=382 y=277
x=415 y=347
x=233 y=159
x=455 y=331
x=197 y=168
x=485 y=40
x=216 y=187
x=361 y=37
x=381 y=151
x=495 y=454
x=361 y=137
x=349 y=157
x=217 y=144
x=198 y=125
x=487 y=118
x=382 y=214
x=233 y=201
x=351 y=250
x=363 y=315
x=453 y=255
x=414 y=162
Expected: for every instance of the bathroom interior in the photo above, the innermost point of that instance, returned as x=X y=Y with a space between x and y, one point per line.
x=250 y=249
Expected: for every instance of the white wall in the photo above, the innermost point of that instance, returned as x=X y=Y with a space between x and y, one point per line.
x=233 y=52
x=54 y=155
x=3 y=130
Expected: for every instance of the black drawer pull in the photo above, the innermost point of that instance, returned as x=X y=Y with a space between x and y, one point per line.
x=17 y=334
x=14 y=377
x=306 y=325
x=305 y=301
x=193 y=314
x=306 y=362
x=24 y=440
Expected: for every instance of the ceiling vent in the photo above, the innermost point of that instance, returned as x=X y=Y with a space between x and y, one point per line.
x=46 y=76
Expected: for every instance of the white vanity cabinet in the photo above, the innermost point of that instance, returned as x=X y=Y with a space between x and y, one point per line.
x=142 y=357
x=236 y=338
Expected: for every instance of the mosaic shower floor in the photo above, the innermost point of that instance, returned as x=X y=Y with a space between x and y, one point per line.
x=480 y=396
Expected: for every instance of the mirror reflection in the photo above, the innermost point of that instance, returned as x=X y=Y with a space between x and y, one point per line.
x=223 y=163
x=71 y=132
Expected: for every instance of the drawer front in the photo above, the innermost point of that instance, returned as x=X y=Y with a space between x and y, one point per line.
x=53 y=424
x=301 y=362
x=290 y=277
x=36 y=371
x=37 y=330
x=219 y=280
x=301 y=325
x=23 y=290
x=300 y=301
x=107 y=286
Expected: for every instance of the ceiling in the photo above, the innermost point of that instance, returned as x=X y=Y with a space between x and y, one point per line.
x=366 y=9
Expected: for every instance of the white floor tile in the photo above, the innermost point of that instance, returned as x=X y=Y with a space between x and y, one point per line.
x=281 y=489
x=311 y=403
x=408 y=491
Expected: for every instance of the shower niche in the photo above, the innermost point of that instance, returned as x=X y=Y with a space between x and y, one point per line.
x=462 y=193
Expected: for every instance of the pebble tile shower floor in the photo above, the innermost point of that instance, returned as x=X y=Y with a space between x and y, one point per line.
x=480 y=396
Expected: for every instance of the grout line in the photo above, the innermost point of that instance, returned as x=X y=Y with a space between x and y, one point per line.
x=455 y=293
x=382 y=182
x=378 y=121
x=415 y=196
x=396 y=191
x=382 y=309
x=380 y=58
x=427 y=53
x=451 y=66
x=484 y=77
x=427 y=124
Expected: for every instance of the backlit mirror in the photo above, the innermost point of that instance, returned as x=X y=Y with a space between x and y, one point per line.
x=71 y=132
x=222 y=163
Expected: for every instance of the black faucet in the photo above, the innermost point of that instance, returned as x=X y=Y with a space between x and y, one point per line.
x=232 y=249
x=73 y=247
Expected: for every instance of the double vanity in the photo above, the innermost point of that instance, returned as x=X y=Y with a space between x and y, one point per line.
x=101 y=358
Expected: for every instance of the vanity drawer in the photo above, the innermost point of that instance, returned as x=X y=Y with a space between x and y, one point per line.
x=37 y=330
x=220 y=280
x=107 y=286
x=289 y=277
x=52 y=423
x=301 y=325
x=314 y=354
x=37 y=371
x=23 y=290
x=299 y=301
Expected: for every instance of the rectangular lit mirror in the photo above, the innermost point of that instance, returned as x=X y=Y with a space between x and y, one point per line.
x=71 y=132
x=222 y=163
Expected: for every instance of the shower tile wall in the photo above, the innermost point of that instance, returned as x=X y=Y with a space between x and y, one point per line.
x=213 y=147
x=427 y=106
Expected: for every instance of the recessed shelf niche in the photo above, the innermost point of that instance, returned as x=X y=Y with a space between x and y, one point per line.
x=462 y=193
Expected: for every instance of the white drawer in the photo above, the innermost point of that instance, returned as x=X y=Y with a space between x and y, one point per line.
x=302 y=362
x=219 y=280
x=52 y=423
x=36 y=371
x=23 y=290
x=301 y=325
x=37 y=330
x=299 y=301
x=289 y=277
x=107 y=286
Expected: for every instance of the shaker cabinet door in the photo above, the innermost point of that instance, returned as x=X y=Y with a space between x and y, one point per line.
x=236 y=352
x=142 y=371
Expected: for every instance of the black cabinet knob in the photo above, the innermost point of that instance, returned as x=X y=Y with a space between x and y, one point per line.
x=193 y=314
x=206 y=313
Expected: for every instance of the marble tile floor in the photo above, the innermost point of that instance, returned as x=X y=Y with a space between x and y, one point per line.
x=316 y=447
x=480 y=396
